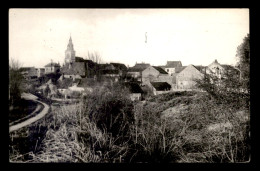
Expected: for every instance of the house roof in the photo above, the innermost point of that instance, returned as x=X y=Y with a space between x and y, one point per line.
x=76 y=68
x=119 y=66
x=160 y=70
x=179 y=69
x=200 y=68
x=79 y=59
x=52 y=64
x=139 y=67
x=173 y=64
x=133 y=87
x=133 y=69
x=162 y=66
x=161 y=86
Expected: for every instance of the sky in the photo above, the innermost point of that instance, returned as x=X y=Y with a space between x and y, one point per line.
x=154 y=36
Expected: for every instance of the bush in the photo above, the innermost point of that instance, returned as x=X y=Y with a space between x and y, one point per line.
x=111 y=110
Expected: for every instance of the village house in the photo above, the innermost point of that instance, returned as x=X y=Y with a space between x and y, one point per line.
x=40 y=72
x=174 y=75
x=186 y=79
x=52 y=68
x=112 y=70
x=135 y=90
x=171 y=66
x=29 y=73
x=153 y=73
x=220 y=70
x=160 y=87
x=215 y=68
x=136 y=71
x=113 y=75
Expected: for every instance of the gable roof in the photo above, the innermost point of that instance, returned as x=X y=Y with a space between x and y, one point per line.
x=173 y=64
x=179 y=69
x=119 y=66
x=79 y=59
x=133 y=69
x=200 y=68
x=139 y=67
x=161 y=86
x=133 y=87
x=160 y=70
x=162 y=66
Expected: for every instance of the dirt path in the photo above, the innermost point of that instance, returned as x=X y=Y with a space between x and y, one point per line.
x=33 y=119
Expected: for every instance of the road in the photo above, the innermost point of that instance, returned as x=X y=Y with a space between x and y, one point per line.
x=33 y=119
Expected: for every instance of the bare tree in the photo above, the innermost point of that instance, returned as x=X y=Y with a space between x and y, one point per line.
x=15 y=81
x=96 y=58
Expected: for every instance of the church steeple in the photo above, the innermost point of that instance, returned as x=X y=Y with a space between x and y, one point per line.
x=70 y=52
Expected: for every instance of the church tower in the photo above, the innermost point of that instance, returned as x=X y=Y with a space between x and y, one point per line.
x=70 y=53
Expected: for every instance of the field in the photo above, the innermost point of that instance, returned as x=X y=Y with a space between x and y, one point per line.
x=106 y=126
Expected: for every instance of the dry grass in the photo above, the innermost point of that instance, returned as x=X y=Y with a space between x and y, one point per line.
x=181 y=137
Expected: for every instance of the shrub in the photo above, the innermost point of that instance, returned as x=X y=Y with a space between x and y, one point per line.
x=111 y=110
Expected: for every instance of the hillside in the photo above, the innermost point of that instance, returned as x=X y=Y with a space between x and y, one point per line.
x=176 y=127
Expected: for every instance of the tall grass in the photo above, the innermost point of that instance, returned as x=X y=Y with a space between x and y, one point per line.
x=108 y=127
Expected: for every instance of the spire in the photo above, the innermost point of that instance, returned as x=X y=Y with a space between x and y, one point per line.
x=70 y=44
x=70 y=38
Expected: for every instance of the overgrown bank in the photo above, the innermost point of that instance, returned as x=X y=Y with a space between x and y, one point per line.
x=175 y=127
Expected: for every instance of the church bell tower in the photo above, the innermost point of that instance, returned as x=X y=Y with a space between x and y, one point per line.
x=70 y=53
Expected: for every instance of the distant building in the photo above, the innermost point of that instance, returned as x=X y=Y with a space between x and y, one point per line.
x=52 y=68
x=220 y=70
x=75 y=67
x=160 y=87
x=29 y=72
x=70 y=53
x=40 y=72
x=186 y=79
x=113 y=71
x=135 y=90
x=171 y=65
x=136 y=71
x=153 y=73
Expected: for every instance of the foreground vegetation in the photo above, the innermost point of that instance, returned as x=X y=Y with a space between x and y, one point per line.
x=106 y=126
